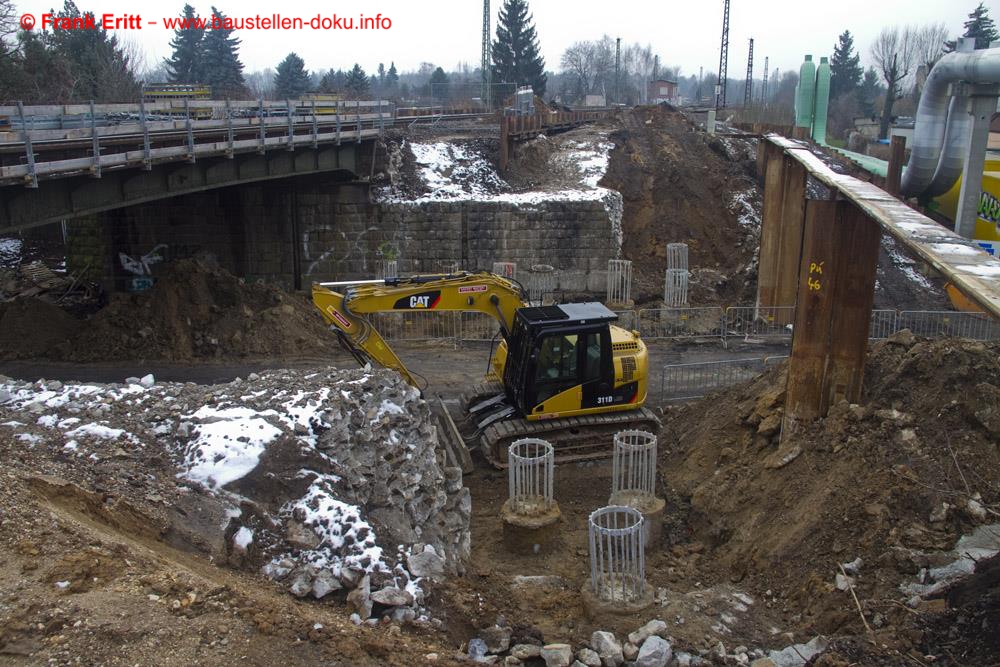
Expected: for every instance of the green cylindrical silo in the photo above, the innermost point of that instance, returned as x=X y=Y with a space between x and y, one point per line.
x=805 y=97
x=822 y=101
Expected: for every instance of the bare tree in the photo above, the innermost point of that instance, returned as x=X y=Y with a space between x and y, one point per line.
x=895 y=55
x=8 y=27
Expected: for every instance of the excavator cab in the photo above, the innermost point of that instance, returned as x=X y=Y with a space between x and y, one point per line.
x=559 y=360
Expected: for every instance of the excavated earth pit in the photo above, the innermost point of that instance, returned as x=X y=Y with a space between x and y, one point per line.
x=131 y=499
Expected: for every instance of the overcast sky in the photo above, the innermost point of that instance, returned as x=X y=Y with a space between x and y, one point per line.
x=447 y=32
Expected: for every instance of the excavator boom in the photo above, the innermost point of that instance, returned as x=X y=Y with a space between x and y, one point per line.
x=463 y=292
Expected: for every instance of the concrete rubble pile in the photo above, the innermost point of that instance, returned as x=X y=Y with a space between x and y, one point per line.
x=649 y=646
x=327 y=481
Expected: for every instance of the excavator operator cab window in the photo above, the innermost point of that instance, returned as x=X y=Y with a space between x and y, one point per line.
x=557 y=358
x=564 y=360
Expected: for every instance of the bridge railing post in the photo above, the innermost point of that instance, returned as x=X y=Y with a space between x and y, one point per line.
x=357 y=120
x=190 y=130
x=147 y=159
x=315 y=126
x=229 y=130
x=95 y=145
x=291 y=124
x=28 y=150
x=261 y=146
x=340 y=109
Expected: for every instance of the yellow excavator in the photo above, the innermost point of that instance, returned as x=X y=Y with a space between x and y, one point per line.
x=563 y=373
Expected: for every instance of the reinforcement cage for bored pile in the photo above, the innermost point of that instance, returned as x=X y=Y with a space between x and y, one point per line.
x=531 y=463
x=633 y=466
x=619 y=288
x=675 y=289
x=505 y=270
x=677 y=256
x=542 y=281
x=617 y=554
x=386 y=269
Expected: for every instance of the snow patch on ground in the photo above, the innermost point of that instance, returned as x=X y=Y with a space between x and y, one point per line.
x=746 y=209
x=228 y=447
x=905 y=264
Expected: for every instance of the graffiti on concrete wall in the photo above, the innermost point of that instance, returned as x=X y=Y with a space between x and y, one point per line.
x=142 y=265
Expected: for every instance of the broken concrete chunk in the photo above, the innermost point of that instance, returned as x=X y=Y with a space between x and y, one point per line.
x=426 y=564
x=497 y=639
x=557 y=655
x=360 y=598
x=301 y=536
x=608 y=647
x=655 y=652
x=654 y=627
x=525 y=651
x=391 y=596
x=587 y=657
x=324 y=584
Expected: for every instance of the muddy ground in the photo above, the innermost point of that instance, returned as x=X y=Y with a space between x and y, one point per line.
x=749 y=551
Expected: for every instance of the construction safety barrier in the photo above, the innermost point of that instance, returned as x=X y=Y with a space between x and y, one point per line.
x=761 y=323
x=681 y=323
x=942 y=323
x=883 y=324
x=417 y=325
x=679 y=382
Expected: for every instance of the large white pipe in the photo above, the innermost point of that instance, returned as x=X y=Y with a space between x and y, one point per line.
x=932 y=156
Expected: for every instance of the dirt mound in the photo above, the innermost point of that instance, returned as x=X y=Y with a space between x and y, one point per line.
x=195 y=311
x=31 y=327
x=682 y=186
x=893 y=482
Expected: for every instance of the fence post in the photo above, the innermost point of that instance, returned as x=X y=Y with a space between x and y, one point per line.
x=29 y=152
x=229 y=130
x=261 y=147
x=190 y=130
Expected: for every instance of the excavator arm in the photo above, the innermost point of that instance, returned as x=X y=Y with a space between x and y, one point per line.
x=346 y=309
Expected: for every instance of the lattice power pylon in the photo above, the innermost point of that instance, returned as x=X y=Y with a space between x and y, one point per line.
x=487 y=66
x=763 y=91
x=720 y=96
x=748 y=87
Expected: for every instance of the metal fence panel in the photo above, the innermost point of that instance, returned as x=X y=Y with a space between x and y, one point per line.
x=943 y=323
x=760 y=322
x=417 y=325
x=883 y=324
x=687 y=381
x=627 y=319
x=681 y=323
x=476 y=326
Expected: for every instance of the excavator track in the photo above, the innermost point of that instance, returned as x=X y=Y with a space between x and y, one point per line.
x=574 y=438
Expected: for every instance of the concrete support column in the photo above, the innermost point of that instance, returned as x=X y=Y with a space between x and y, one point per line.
x=836 y=290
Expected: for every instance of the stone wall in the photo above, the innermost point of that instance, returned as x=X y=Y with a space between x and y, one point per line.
x=315 y=229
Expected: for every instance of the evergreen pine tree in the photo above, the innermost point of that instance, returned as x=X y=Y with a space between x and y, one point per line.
x=438 y=84
x=980 y=26
x=222 y=67
x=98 y=67
x=845 y=67
x=391 y=77
x=356 y=85
x=184 y=65
x=868 y=92
x=291 y=79
x=516 y=58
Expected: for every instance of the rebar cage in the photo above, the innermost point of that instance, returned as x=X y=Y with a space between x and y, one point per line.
x=531 y=464
x=617 y=554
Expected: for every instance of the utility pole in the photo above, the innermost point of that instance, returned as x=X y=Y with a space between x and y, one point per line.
x=720 y=86
x=618 y=65
x=763 y=92
x=748 y=87
x=487 y=65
